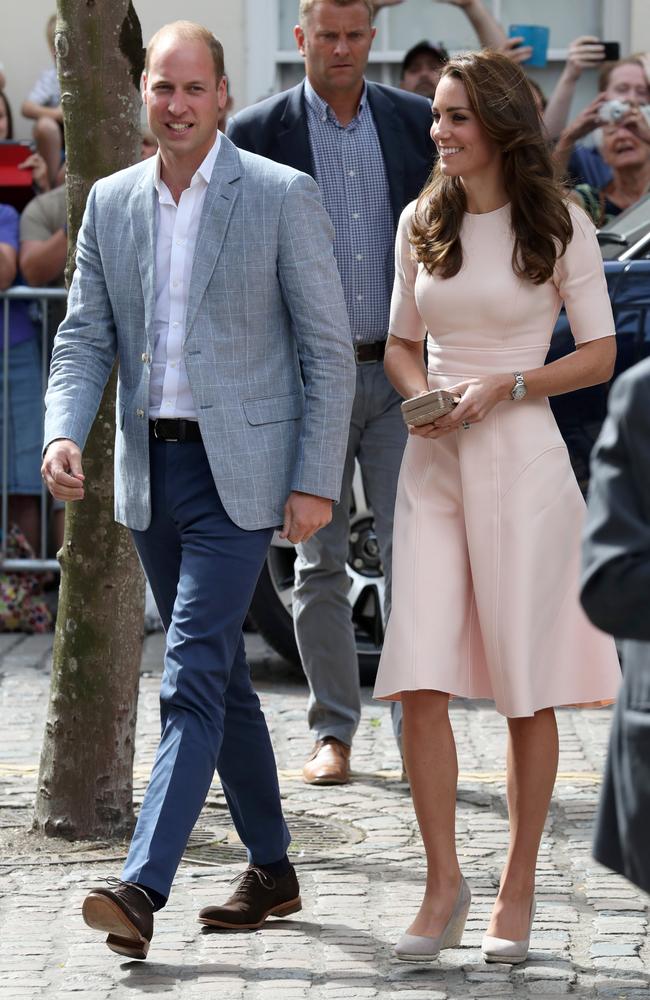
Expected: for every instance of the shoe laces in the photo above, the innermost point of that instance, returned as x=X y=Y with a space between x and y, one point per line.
x=249 y=876
x=118 y=883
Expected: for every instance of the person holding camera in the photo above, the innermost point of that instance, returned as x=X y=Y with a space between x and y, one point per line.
x=486 y=557
x=625 y=149
x=624 y=82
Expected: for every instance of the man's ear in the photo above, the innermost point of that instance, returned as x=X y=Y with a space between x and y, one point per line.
x=299 y=36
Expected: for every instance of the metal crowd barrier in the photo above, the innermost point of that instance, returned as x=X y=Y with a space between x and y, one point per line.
x=43 y=296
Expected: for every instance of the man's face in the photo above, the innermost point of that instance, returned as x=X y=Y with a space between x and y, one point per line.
x=183 y=99
x=335 y=43
x=422 y=75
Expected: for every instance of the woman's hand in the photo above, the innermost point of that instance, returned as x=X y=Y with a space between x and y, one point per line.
x=478 y=397
x=38 y=167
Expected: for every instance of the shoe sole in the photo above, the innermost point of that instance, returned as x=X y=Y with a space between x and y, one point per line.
x=124 y=938
x=326 y=781
x=487 y=957
x=282 y=910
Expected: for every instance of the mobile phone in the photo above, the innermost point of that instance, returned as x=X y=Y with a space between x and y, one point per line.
x=612 y=51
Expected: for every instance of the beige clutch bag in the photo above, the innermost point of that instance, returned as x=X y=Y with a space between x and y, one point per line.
x=425 y=409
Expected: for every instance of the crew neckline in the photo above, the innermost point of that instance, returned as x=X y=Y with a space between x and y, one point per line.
x=483 y=215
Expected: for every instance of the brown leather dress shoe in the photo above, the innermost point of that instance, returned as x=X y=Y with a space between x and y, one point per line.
x=329 y=763
x=258 y=896
x=125 y=912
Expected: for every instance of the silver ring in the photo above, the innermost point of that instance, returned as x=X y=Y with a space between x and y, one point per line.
x=465 y=425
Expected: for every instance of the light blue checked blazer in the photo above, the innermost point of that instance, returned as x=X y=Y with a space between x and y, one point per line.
x=267 y=349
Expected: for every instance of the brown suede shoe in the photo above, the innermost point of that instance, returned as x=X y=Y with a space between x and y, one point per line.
x=329 y=763
x=125 y=912
x=258 y=896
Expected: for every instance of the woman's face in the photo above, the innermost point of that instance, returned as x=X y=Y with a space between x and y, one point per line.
x=4 y=120
x=622 y=148
x=465 y=148
x=628 y=83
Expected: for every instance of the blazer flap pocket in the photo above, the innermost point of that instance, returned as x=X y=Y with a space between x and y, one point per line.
x=272 y=409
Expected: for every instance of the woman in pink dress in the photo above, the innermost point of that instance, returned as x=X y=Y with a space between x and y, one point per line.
x=489 y=515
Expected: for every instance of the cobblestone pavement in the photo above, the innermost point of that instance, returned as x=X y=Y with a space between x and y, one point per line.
x=360 y=865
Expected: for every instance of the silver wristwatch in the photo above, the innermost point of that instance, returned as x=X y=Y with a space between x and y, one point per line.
x=519 y=389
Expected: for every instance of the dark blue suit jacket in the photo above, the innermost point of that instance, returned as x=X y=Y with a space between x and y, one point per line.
x=277 y=128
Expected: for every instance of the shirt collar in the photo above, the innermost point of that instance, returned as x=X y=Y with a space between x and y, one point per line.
x=323 y=109
x=203 y=172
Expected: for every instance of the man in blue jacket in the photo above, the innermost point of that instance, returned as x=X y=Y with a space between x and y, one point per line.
x=368 y=147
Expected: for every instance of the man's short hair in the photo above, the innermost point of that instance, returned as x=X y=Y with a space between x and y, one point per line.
x=306 y=7
x=188 y=31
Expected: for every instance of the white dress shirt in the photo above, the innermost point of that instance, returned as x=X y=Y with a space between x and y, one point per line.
x=177 y=228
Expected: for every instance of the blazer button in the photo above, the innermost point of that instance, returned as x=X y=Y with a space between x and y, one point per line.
x=145 y=358
x=140 y=413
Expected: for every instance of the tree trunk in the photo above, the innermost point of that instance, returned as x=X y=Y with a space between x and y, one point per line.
x=86 y=774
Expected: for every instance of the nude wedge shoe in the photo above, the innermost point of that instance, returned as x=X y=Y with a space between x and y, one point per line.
x=416 y=948
x=496 y=949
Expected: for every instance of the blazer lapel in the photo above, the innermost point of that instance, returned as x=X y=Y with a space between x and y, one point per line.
x=220 y=198
x=292 y=142
x=143 y=225
x=391 y=138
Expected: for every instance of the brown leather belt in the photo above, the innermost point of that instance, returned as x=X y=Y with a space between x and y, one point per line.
x=179 y=430
x=366 y=354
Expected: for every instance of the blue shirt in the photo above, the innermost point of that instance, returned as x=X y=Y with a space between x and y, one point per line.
x=350 y=171
x=20 y=325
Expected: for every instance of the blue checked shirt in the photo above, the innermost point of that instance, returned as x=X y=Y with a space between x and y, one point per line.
x=350 y=171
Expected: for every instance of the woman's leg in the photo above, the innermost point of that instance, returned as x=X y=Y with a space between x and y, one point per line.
x=432 y=767
x=532 y=767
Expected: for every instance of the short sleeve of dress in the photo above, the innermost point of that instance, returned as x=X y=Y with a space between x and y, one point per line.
x=580 y=281
x=405 y=320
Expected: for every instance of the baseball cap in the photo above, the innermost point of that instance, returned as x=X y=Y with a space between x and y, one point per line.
x=438 y=52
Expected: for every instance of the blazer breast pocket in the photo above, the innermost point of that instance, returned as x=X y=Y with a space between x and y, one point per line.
x=273 y=409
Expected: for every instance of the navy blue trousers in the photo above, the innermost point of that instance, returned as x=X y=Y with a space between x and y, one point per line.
x=202 y=569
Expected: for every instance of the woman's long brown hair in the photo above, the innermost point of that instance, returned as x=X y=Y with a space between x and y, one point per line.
x=502 y=100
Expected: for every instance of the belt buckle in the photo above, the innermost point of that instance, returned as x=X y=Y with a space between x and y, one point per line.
x=360 y=361
x=159 y=438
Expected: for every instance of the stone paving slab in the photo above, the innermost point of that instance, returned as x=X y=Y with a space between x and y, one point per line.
x=360 y=863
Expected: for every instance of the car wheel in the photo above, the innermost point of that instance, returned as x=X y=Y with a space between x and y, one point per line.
x=271 y=606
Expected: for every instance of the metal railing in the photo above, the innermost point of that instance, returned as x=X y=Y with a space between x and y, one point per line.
x=42 y=296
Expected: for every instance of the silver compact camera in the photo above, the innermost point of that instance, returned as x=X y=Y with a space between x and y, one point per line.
x=612 y=111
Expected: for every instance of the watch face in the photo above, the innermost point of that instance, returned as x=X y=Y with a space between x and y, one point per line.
x=519 y=392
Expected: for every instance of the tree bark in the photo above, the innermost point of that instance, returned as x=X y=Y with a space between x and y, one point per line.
x=86 y=774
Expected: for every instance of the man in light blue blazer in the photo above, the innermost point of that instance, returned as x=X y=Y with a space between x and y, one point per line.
x=210 y=273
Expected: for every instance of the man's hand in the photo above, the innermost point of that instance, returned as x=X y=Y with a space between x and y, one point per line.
x=61 y=470
x=304 y=515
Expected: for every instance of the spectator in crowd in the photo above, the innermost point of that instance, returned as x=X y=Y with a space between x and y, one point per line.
x=23 y=482
x=423 y=63
x=42 y=258
x=33 y=161
x=369 y=148
x=615 y=587
x=149 y=146
x=585 y=52
x=627 y=81
x=44 y=106
x=625 y=149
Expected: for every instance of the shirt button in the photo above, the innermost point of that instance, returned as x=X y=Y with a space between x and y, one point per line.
x=175 y=325
x=351 y=173
x=359 y=256
x=359 y=298
x=180 y=243
x=324 y=118
x=175 y=284
x=355 y=215
x=139 y=413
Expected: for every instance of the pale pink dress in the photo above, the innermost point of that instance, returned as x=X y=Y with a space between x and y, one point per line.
x=488 y=521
